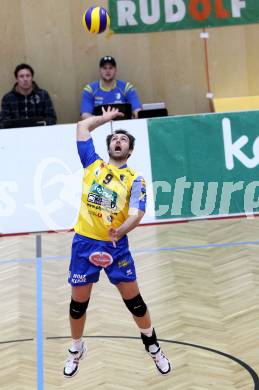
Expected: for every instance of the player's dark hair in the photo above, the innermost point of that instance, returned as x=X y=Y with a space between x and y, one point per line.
x=23 y=66
x=120 y=131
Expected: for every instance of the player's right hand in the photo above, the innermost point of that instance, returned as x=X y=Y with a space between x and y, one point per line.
x=111 y=113
x=114 y=236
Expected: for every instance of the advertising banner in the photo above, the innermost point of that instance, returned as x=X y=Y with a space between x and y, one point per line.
x=137 y=16
x=41 y=174
x=196 y=166
x=205 y=165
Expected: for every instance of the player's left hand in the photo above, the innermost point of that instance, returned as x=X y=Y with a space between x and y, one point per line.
x=114 y=236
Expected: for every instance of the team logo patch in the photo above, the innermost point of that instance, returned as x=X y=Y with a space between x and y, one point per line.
x=130 y=172
x=101 y=259
x=97 y=171
x=143 y=194
x=123 y=263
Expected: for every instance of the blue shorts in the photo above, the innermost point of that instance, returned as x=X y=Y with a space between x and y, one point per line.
x=90 y=256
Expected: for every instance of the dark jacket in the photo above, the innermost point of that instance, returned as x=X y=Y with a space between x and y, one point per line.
x=37 y=104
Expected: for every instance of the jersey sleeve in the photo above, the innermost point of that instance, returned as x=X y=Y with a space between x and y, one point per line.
x=87 y=100
x=87 y=153
x=132 y=97
x=138 y=195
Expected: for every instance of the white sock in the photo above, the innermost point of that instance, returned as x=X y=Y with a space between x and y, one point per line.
x=147 y=332
x=76 y=344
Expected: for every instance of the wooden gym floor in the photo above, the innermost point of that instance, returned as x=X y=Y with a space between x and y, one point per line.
x=201 y=283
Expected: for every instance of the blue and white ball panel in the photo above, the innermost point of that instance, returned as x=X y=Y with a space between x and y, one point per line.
x=96 y=20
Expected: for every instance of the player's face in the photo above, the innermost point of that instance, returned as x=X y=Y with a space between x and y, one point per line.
x=108 y=72
x=24 y=79
x=119 y=147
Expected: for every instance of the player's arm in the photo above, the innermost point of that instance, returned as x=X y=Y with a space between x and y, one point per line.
x=85 y=115
x=129 y=224
x=137 y=208
x=87 y=125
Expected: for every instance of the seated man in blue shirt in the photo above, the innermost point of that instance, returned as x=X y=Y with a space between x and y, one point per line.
x=108 y=90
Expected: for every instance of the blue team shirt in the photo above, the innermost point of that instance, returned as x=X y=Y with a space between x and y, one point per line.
x=94 y=95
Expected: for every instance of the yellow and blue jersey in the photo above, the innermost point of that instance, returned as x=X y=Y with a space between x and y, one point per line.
x=95 y=95
x=107 y=195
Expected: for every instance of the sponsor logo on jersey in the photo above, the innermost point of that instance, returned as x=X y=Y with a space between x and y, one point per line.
x=100 y=195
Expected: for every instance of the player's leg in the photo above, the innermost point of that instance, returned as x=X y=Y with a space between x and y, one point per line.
x=77 y=316
x=122 y=273
x=82 y=275
x=134 y=302
x=136 y=305
x=78 y=306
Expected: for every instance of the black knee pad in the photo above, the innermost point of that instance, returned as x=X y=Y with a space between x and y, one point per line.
x=77 y=309
x=136 y=306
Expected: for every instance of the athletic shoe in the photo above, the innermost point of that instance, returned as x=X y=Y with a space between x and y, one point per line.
x=72 y=362
x=162 y=363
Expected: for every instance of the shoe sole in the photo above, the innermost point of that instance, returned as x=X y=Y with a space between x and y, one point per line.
x=82 y=357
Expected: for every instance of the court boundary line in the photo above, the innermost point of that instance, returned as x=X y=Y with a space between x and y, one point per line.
x=144 y=250
x=240 y=362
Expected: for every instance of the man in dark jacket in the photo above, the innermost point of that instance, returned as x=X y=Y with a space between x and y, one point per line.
x=26 y=99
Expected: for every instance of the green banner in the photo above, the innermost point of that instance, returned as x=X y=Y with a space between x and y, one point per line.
x=205 y=165
x=136 y=16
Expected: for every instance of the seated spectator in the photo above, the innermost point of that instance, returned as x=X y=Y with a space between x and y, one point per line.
x=26 y=100
x=108 y=90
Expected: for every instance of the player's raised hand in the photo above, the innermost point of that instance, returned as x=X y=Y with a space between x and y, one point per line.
x=111 y=113
x=85 y=126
